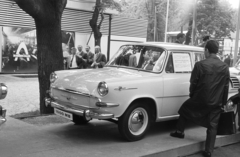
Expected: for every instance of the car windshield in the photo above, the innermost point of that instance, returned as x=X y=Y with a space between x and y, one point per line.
x=146 y=58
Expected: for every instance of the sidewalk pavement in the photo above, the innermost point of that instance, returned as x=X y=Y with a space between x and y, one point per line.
x=98 y=138
x=23 y=94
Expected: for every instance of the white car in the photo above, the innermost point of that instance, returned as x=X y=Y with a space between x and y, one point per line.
x=142 y=83
x=3 y=94
x=235 y=70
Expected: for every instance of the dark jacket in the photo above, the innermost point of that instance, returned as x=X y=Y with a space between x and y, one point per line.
x=90 y=57
x=101 y=58
x=82 y=64
x=208 y=88
x=227 y=61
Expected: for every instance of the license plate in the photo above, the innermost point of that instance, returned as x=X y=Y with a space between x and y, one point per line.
x=63 y=114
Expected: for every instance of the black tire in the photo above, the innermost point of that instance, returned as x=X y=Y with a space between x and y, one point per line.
x=142 y=120
x=80 y=120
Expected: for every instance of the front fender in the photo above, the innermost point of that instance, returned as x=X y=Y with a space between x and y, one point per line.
x=235 y=98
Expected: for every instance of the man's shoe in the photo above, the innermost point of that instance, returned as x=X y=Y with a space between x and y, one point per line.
x=206 y=154
x=177 y=134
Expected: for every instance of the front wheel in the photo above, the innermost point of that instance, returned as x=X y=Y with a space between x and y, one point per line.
x=134 y=123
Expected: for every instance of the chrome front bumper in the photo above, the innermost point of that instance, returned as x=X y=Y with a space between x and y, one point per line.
x=3 y=117
x=79 y=112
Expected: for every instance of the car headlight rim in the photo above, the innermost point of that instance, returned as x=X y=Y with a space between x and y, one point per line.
x=53 y=77
x=102 y=88
x=230 y=106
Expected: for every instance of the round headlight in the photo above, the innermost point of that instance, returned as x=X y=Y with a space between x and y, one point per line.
x=53 y=77
x=4 y=90
x=102 y=88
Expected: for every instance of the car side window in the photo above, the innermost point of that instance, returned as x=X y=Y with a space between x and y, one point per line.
x=169 y=66
x=182 y=62
x=198 y=57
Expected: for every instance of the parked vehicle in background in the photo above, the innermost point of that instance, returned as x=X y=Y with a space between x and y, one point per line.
x=3 y=94
x=141 y=84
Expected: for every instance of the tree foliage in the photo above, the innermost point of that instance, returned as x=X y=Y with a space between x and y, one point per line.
x=214 y=17
x=47 y=15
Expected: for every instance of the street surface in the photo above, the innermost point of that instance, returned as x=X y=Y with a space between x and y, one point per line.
x=98 y=138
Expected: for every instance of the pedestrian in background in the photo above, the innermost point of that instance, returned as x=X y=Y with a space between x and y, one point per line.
x=90 y=56
x=66 y=55
x=227 y=60
x=205 y=39
x=99 y=59
x=83 y=57
x=74 y=60
x=180 y=38
x=208 y=92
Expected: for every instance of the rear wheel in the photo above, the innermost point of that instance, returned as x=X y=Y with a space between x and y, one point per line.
x=134 y=123
x=80 y=120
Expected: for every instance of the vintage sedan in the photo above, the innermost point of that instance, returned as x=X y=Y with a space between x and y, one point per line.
x=3 y=94
x=141 y=84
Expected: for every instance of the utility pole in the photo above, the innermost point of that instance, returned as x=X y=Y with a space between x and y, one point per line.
x=237 y=36
x=194 y=21
x=155 y=21
x=166 y=24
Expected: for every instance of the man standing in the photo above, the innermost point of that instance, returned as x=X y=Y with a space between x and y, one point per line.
x=99 y=59
x=180 y=38
x=208 y=91
x=227 y=60
x=73 y=61
x=90 y=56
x=83 y=58
x=65 y=57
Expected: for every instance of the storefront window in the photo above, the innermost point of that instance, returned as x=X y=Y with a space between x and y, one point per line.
x=19 y=49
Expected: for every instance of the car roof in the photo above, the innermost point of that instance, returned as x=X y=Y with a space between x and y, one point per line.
x=172 y=46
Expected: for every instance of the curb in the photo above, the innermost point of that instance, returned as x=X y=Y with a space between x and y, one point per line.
x=196 y=147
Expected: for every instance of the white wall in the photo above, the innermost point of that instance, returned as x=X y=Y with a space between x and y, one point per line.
x=86 y=5
x=82 y=39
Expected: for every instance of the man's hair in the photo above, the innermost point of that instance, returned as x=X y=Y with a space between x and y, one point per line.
x=180 y=35
x=212 y=46
x=206 y=37
x=98 y=47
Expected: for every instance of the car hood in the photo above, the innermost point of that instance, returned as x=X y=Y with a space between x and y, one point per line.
x=87 y=80
x=234 y=71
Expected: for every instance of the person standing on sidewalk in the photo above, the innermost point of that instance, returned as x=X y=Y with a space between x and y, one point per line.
x=208 y=91
x=83 y=57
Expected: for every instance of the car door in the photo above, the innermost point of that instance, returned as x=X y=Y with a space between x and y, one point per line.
x=176 y=82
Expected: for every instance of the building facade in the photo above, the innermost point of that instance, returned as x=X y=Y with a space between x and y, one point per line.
x=18 y=42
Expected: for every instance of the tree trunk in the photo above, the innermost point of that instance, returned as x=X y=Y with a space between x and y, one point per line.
x=49 y=55
x=151 y=16
x=47 y=15
x=93 y=23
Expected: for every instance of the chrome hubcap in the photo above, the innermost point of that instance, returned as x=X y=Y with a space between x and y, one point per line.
x=138 y=120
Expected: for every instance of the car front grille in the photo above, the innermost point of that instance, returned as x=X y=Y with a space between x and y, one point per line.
x=235 y=82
